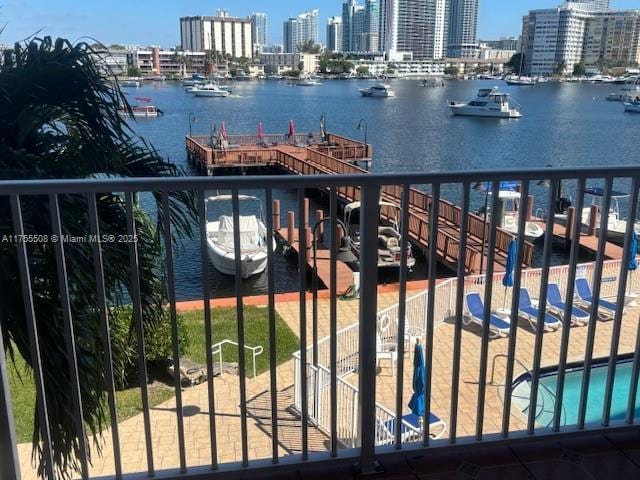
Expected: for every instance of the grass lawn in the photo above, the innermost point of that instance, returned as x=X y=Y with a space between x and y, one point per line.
x=128 y=401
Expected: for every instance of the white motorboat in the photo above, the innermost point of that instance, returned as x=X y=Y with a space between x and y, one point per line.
x=520 y=81
x=140 y=111
x=209 y=90
x=307 y=82
x=510 y=206
x=616 y=225
x=130 y=83
x=432 y=82
x=389 y=240
x=253 y=240
x=489 y=102
x=382 y=90
x=633 y=107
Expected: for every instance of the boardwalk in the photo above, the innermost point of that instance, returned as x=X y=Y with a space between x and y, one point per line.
x=307 y=155
x=587 y=242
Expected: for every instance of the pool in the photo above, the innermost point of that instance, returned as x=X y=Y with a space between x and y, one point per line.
x=521 y=393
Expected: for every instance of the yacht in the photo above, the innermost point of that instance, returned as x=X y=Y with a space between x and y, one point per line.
x=130 y=83
x=520 y=81
x=209 y=90
x=432 y=82
x=253 y=240
x=389 y=240
x=489 y=102
x=377 y=90
x=307 y=82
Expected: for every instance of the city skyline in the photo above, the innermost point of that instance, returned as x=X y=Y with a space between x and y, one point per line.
x=159 y=26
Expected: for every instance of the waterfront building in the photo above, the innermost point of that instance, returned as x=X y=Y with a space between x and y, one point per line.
x=117 y=60
x=486 y=52
x=591 y=5
x=554 y=40
x=299 y=30
x=462 y=29
x=404 y=68
x=413 y=26
x=334 y=34
x=503 y=43
x=279 y=63
x=171 y=63
x=222 y=33
x=260 y=30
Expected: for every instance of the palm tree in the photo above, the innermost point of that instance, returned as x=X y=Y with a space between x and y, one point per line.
x=59 y=119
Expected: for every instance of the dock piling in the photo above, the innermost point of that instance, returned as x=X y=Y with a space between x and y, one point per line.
x=309 y=234
x=319 y=217
x=276 y=214
x=569 y=233
x=593 y=219
x=306 y=212
x=291 y=227
x=530 y=200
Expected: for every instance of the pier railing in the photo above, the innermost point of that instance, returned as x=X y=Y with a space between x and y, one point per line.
x=237 y=413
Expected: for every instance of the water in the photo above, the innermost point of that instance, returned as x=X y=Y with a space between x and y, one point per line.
x=564 y=125
x=572 y=391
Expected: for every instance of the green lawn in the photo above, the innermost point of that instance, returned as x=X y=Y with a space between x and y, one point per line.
x=128 y=401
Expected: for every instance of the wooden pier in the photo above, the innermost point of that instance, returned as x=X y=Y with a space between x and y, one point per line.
x=313 y=154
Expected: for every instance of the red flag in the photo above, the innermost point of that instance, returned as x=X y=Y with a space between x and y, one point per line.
x=260 y=131
x=292 y=128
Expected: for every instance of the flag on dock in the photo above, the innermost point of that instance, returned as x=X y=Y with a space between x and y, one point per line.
x=292 y=129
x=260 y=132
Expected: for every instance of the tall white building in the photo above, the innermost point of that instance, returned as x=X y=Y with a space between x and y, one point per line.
x=299 y=30
x=590 y=5
x=260 y=30
x=222 y=33
x=334 y=34
x=462 y=29
x=413 y=26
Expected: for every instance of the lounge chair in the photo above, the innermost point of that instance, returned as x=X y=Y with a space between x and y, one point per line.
x=583 y=291
x=411 y=431
x=386 y=351
x=531 y=311
x=557 y=305
x=498 y=327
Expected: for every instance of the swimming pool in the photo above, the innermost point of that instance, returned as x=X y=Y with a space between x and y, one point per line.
x=521 y=393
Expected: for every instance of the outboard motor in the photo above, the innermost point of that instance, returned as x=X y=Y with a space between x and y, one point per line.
x=562 y=205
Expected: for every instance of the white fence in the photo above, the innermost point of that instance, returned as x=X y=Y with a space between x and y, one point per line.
x=318 y=378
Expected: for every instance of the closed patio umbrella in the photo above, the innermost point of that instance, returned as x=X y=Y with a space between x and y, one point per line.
x=633 y=253
x=416 y=404
x=507 y=279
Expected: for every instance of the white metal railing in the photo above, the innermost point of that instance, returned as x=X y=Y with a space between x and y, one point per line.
x=216 y=349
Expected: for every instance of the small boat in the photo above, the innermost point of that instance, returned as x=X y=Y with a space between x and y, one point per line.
x=242 y=77
x=381 y=90
x=619 y=97
x=273 y=76
x=253 y=240
x=307 y=82
x=158 y=78
x=432 y=82
x=520 y=81
x=510 y=198
x=389 y=240
x=209 y=90
x=130 y=83
x=140 y=111
x=633 y=107
x=489 y=102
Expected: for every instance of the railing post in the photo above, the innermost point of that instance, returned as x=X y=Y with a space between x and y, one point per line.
x=367 y=329
x=9 y=461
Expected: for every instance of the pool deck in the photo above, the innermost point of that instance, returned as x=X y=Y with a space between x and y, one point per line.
x=259 y=423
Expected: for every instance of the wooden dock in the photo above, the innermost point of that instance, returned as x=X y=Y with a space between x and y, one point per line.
x=312 y=154
x=344 y=275
x=587 y=241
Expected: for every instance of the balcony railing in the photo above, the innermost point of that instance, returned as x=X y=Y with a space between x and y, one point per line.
x=338 y=398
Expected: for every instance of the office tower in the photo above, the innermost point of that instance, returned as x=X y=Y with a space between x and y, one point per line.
x=334 y=34
x=462 y=28
x=260 y=30
x=299 y=30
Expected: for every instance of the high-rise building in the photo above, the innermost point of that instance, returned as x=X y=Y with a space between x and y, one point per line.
x=554 y=40
x=371 y=36
x=462 y=29
x=299 y=30
x=222 y=33
x=334 y=34
x=260 y=30
x=413 y=26
x=361 y=26
x=589 y=5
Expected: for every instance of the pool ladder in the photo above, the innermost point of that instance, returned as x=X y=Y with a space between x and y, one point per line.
x=552 y=393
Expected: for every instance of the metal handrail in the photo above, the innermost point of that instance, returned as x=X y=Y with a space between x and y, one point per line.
x=502 y=355
x=216 y=349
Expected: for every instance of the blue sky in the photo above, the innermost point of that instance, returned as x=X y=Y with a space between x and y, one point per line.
x=155 y=22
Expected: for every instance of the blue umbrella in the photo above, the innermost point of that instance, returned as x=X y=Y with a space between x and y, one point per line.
x=633 y=252
x=416 y=404
x=507 y=280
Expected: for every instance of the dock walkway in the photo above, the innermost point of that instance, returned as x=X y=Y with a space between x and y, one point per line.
x=309 y=154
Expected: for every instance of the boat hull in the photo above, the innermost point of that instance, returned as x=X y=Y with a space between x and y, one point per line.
x=464 y=110
x=632 y=108
x=212 y=94
x=225 y=261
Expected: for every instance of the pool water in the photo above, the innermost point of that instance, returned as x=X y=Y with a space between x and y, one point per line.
x=571 y=396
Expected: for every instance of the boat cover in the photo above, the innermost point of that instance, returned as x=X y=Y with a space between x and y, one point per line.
x=249 y=232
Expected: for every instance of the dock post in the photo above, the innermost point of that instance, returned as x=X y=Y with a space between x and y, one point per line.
x=276 y=215
x=593 y=219
x=306 y=212
x=309 y=235
x=569 y=234
x=319 y=217
x=291 y=227
x=529 y=207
